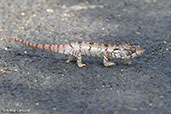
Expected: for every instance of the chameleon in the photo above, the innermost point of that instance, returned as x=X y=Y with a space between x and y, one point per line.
x=123 y=51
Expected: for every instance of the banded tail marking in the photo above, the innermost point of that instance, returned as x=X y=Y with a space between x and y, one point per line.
x=49 y=47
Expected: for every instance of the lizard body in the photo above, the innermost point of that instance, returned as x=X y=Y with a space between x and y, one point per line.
x=124 y=51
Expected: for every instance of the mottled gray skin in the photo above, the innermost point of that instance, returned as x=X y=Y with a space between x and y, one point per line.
x=128 y=51
x=124 y=51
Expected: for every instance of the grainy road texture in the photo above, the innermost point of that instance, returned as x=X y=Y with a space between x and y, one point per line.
x=39 y=81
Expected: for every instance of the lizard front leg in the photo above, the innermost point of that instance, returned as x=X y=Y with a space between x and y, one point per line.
x=106 y=62
x=126 y=61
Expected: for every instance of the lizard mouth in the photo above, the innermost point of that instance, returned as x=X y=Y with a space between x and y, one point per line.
x=142 y=51
x=139 y=51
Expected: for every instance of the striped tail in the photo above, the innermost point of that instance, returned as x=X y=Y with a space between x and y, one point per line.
x=49 y=47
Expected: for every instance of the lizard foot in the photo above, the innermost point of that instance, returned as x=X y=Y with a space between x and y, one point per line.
x=109 y=64
x=71 y=58
x=81 y=65
x=127 y=61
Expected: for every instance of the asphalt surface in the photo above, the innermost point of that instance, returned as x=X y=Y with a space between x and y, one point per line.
x=40 y=82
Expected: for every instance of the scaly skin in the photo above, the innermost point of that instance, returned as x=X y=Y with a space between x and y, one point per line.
x=124 y=51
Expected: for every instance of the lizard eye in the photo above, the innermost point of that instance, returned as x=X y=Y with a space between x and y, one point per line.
x=133 y=49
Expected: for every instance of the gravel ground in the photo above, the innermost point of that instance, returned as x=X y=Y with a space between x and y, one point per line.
x=40 y=82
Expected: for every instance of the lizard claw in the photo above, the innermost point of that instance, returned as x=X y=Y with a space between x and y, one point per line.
x=68 y=61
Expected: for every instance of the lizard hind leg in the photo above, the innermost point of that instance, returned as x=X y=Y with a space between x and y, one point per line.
x=79 y=61
x=71 y=58
x=76 y=56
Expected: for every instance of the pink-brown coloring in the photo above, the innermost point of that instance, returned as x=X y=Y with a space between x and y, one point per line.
x=124 y=51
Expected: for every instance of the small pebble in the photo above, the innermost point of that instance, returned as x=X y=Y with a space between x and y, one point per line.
x=138 y=33
x=22 y=28
x=35 y=80
x=124 y=9
x=66 y=15
x=50 y=10
x=25 y=52
x=22 y=13
x=64 y=6
x=164 y=42
x=34 y=15
x=103 y=28
x=161 y=96
x=150 y=104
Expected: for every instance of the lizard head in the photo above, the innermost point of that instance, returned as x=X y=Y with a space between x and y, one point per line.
x=130 y=51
